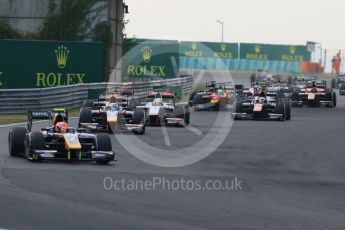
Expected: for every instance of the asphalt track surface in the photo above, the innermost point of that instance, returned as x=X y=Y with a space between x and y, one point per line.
x=292 y=177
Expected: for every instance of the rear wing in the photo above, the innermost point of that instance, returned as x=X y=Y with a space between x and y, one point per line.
x=46 y=115
x=124 y=92
x=211 y=84
x=239 y=87
x=154 y=94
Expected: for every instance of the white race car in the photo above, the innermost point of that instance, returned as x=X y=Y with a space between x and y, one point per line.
x=161 y=108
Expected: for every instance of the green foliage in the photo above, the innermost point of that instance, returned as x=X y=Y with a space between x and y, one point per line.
x=70 y=20
x=103 y=33
x=6 y=32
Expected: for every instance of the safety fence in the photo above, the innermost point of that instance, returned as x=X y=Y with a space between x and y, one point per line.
x=240 y=65
x=21 y=100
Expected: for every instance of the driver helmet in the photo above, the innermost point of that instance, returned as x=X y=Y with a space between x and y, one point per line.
x=61 y=127
x=262 y=100
x=158 y=102
x=114 y=107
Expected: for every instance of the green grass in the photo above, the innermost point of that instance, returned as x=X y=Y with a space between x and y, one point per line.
x=17 y=118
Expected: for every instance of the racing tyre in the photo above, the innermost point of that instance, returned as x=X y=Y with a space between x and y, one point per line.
x=103 y=143
x=191 y=99
x=334 y=99
x=36 y=142
x=289 y=81
x=330 y=97
x=180 y=112
x=287 y=111
x=217 y=107
x=16 y=144
x=252 y=79
x=333 y=84
x=280 y=109
x=186 y=115
x=237 y=107
x=295 y=97
x=88 y=103
x=85 y=115
x=197 y=100
x=139 y=118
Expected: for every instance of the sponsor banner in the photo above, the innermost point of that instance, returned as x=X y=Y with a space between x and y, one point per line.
x=209 y=49
x=240 y=65
x=267 y=52
x=150 y=59
x=39 y=64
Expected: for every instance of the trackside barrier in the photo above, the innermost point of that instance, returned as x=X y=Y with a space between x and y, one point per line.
x=21 y=100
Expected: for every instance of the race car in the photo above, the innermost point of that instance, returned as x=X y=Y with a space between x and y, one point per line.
x=316 y=94
x=336 y=83
x=58 y=141
x=342 y=89
x=161 y=109
x=111 y=117
x=215 y=97
x=263 y=105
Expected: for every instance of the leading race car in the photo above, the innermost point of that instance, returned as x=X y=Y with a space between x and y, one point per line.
x=122 y=96
x=316 y=94
x=58 y=141
x=110 y=116
x=262 y=105
x=161 y=109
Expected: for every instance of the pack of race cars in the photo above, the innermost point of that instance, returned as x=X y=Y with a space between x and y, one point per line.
x=120 y=111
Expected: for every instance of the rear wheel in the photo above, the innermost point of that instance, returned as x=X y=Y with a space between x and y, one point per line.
x=290 y=81
x=333 y=84
x=237 y=107
x=103 y=143
x=280 y=109
x=85 y=115
x=139 y=118
x=180 y=112
x=294 y=99
x=330 y=98
x=197 y=99
x=334 y=99
x=88 y=103
x=217 y=106
x=187 y=114
x=287 y=111
x=16 y=143
x=191 y=99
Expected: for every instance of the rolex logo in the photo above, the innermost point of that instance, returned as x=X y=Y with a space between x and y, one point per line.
x=223 y=47
x=147 y=53
x=61 y=53
x=292 y=50
x=257 y=48
x=194 y=45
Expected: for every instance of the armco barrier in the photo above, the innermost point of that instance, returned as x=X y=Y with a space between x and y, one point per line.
x=20 y=100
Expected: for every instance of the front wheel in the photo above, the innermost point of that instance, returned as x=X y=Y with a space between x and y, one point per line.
x=16 y=144
x=34 y=142
x=334 y=99
x=103 y=143
x=280 y=109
